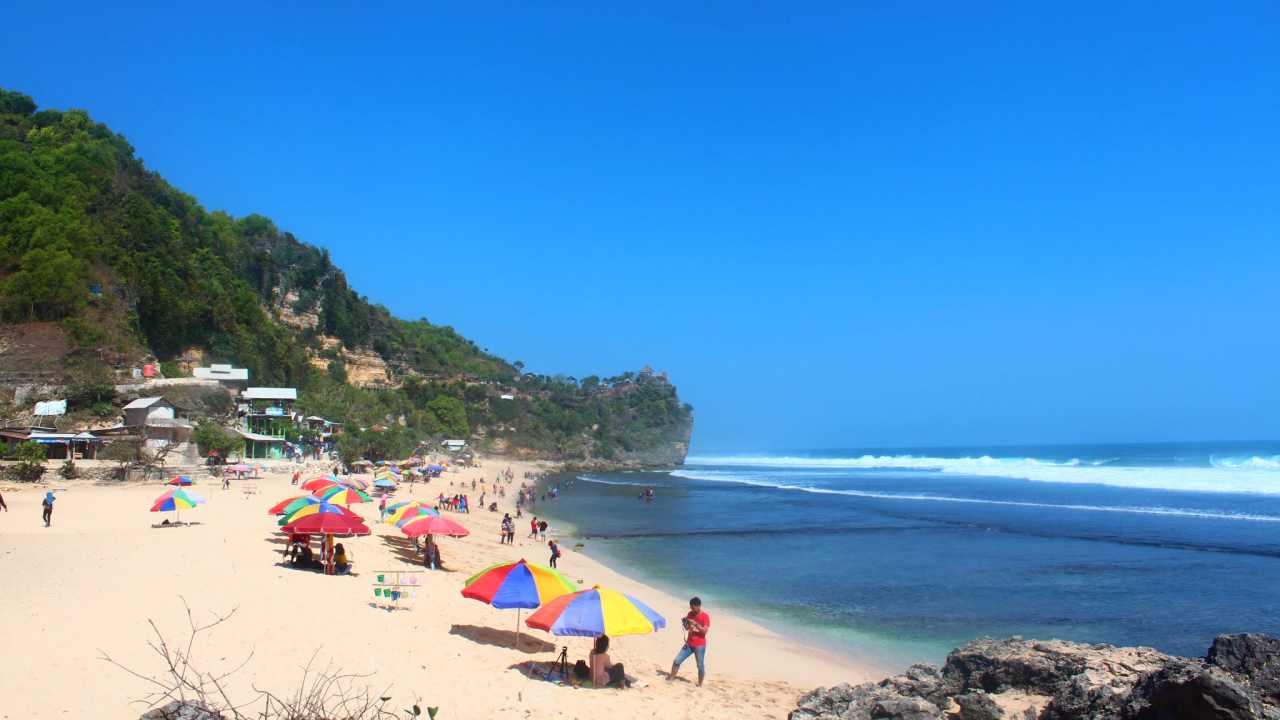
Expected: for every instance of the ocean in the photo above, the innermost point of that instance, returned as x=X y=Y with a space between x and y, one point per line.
x=896 y=555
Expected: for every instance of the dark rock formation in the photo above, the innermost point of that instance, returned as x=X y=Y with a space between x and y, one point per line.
x=1018 y=679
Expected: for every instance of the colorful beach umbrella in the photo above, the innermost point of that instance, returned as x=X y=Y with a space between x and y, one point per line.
x=595 y=612
x=431 y=524
x=386 y=483
x=517 y=585
x=176 y=501
x=319 y=483
x=343 y=496
x=353 y=481
x=326 y=524
x=240 y=468
x=310 y=506
x=278 y=508
x=407 y=509
x=182 y=480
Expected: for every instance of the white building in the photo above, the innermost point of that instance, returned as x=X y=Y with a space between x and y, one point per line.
x=225 y=374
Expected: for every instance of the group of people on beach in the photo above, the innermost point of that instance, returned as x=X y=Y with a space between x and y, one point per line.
x=299 y=555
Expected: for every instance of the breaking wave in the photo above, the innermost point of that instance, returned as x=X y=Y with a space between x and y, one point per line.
x=1256 y=474
x=715 y=476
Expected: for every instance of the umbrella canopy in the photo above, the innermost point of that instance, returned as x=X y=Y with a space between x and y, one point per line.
x=327 y=523
x=343 y=496
x=176 y=499
x=383 y=482
x=517 y=585
x=428 y=524
x=182 y=480
x=295 y=505
x=312 y=506
x=240 y=468
x=320 y=483
x=407 y=509
x=353 y=481
x=278 y=508
x=595 y=612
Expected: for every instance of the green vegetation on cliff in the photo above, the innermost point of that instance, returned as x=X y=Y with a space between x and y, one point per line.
x=128 y=265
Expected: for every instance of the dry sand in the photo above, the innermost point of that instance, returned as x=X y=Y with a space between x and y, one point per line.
x=90 y=583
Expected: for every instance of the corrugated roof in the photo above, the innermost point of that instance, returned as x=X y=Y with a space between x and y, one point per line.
x=266 y=393
x=261 y=438
x=143 y=403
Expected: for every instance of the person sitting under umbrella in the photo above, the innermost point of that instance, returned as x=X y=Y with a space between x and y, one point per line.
x=604 y=673
x=341 y=562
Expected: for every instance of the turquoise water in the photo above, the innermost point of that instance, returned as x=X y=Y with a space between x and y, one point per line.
x=901 y=554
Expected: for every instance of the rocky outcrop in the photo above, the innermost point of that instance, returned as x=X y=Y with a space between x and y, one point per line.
x=1018 y=679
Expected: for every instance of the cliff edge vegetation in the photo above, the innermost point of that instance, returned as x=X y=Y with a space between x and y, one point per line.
x=104 y=265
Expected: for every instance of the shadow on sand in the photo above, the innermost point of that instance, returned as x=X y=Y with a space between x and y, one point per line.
x=502 y=638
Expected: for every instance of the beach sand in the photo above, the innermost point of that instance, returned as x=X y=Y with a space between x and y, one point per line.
x=90 y=584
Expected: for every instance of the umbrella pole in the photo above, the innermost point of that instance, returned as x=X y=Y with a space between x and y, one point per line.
x=517 y=627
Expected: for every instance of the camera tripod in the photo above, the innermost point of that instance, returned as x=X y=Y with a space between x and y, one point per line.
x=562 y=663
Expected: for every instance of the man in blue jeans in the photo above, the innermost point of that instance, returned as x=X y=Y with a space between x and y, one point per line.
x=696 y=624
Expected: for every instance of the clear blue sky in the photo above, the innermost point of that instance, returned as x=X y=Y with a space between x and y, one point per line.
x=834 y=224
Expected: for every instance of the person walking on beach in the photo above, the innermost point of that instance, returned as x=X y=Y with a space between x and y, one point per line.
x=382 y=508
x=48 y=508
x=542 y=529
x=555 y=552
x=533 y=527
x=696 y=624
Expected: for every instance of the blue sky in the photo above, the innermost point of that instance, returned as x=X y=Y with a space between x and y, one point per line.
x=835 y=225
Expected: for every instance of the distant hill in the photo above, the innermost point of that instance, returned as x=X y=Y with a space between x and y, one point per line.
x=104 y=265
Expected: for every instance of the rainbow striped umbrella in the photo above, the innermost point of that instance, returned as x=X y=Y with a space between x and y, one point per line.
x=407 y=509
x=279 y=508
x=517 y=585
x=595 y=612
x=182 y=480
x=312 y=505
x=352 y=481
x=343 y=496
x=315 y=520
x=176 y=500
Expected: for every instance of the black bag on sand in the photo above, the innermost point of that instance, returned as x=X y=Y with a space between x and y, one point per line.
x=618 y=677
x=581 y=670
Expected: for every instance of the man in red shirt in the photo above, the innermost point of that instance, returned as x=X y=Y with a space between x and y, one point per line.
x=696 y=624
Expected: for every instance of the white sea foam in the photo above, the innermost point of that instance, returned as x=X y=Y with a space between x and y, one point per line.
x=602 y=481
x=1224 y=475
x=717 y=476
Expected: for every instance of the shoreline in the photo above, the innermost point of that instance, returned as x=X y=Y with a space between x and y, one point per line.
x=92 y=581
x=805 y=639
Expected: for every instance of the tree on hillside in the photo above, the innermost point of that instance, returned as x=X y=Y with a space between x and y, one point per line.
x=16 y=103
x=50 y=285
x=451 y=414
x=210 y=437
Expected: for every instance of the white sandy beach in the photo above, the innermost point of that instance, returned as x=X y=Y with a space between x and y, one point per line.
x=90 y=583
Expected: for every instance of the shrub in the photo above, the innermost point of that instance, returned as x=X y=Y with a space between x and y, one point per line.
x=30 y=456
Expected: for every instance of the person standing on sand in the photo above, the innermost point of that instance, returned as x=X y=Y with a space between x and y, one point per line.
x=48 y=508
x=696 y=624
x=382 y=508
x=555 y=552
